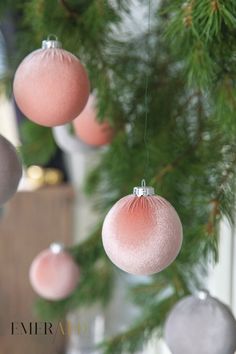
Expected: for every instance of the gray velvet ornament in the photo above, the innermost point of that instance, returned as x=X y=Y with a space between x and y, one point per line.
x=200 y=325
x=10 y=170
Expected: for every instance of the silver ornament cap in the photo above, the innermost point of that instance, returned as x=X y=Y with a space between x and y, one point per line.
x=143 y=190
x=203 y=294
x=57 y=247
x=51 y=42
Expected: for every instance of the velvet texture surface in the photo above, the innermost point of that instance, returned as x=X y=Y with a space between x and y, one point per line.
x=89 y=130
x=142 y=235
x=54 y=276
x=10 y=170
x=51 y=87
x=197 y=326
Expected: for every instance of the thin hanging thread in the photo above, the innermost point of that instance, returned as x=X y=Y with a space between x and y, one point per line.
x=145 y=138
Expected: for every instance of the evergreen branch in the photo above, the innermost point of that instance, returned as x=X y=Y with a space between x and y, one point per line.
x=215 y=5
x=225 y=177
x=212 y=219
x=130 y=340
x=230 y=94
x=71 y=12
x=176 y=162
x=216 y=202
x=133 y=339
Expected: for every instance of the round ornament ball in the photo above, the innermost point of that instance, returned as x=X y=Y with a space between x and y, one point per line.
x=142 y=233
x=200 y=324
x=51 y=86
x=89 y=129
x=54 y=274
x=10 y=170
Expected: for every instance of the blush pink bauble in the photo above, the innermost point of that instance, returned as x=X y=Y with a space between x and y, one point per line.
x=142 y=233
x=51 y=86
x=54 y=274
x=89 y=129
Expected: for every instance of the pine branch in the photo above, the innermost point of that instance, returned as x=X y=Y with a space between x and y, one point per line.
x=177 y=161
x=72 y=13
x=192 y=149
x=228 y=173
x=136 y=337
x=215 y=212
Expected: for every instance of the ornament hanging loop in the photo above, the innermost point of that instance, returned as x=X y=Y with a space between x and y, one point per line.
x=51 y=42
x=52 y=37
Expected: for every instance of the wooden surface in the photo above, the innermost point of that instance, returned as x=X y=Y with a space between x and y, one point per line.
x=30 y=222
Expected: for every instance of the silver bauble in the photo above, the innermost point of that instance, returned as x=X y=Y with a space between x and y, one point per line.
x=10 y=170
x=200 y=325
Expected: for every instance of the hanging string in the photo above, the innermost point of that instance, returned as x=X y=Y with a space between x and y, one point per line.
x=145 y=137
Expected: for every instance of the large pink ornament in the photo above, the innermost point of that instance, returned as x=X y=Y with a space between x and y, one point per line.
x=51 y=86
x=54 y=274
x=89 y=129
x=142 y=233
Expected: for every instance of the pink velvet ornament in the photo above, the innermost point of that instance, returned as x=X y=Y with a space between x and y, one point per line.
x=89 y=129
x=142 y=233
x=51 y=86
x=54 y=274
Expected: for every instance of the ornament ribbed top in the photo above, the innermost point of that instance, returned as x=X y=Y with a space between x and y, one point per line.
x=51 y=42
x=143 y=190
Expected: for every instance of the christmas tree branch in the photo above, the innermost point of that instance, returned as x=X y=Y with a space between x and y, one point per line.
x=216 y=202
x=130 y=340
x=228 y=173
x=72 y=13
x=176 y=162
x=134 y=338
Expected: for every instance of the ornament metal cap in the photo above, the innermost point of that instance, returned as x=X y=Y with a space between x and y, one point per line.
x=143 y=190
x=56 y=247
x=203 y=294
x=51 y=42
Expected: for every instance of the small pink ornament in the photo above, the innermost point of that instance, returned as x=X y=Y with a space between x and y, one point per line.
x=142 y=233
x=54 y=274
x=89 y=130
x=51 y=86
